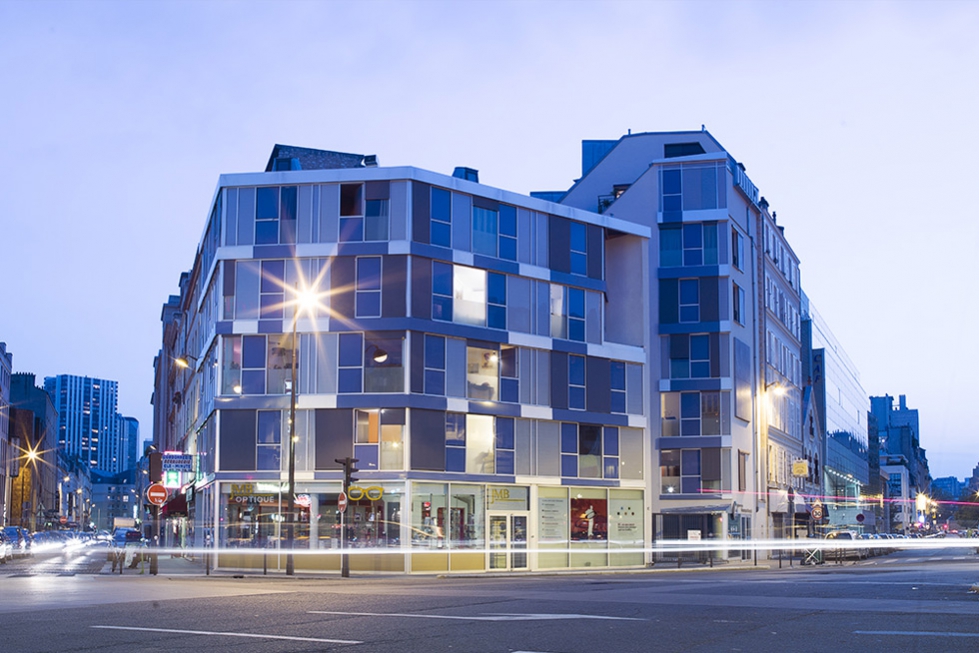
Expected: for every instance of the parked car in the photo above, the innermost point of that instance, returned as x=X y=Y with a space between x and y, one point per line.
x=6 y=549
x=850 y=551
x=20 y=540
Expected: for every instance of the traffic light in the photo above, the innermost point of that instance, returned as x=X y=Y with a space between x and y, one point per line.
x=156 y=467
x=348 y=470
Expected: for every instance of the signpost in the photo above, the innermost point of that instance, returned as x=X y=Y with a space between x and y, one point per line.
x=342 y=502
x=157 y=494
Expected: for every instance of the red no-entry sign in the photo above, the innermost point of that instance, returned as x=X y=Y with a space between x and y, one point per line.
x=342 y=502
x=156 y=494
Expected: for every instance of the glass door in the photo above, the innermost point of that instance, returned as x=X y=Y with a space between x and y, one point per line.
x=507 y=541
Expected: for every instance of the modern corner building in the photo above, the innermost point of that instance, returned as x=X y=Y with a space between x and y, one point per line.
x=724 y=338
x=531 y=382
x=481 y=353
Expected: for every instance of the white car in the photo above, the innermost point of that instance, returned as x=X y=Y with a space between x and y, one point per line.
x=6 y=549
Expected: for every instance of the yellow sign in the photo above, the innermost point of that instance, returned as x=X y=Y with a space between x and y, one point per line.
x=800 y=468
x=373 y=493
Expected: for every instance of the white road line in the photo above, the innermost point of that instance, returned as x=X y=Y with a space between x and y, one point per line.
x=224 y=634
x=918 y=633
x=488 y=617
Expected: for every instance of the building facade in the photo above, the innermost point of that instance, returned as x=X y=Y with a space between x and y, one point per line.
x=34 y=427
x=724 y=301
x=87 y=424
x=8 y=453
x=481 y=354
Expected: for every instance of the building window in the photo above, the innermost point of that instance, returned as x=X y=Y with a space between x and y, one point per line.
x=509 y=380
x=482 y=373
x=691 y=187
x=576 y=314
x=368 y=290
x=496 y=301
x=383 y=364
x=689 y=300
x=379 y=439
x=269 y=440
x=690 y=471
x=267 y=215
x=742 y=471
x=576 y=382
x=558 y=312
x=669 y=471
x=689 y=244
x=272 y=290
x=738 y=304
x=253 y=365
x=579 y=249
x=569 y=450
x=617 y=385
x=504 y=445
x=434 y=365
x=470 y=443
x=737 y=249
x=441 y=291
x=485 y=232
x=508 y=232
x=441 y=223
x=589 y=451
x=689 y=356
x=376 y=220
x=695 y=413
x=611 y=453
x=350 y=362
x=351 y=213
x=469 y=294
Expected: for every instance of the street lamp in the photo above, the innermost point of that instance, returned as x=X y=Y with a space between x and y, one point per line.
x=305 y=300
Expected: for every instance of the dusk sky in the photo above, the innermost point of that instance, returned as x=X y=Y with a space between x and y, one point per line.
x=855 y=120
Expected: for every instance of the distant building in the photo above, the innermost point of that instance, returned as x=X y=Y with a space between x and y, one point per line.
x=899 y=446
x=89 y=426
x=842 y=405
x=948 y=487
x=37 y=424
x=114 y=496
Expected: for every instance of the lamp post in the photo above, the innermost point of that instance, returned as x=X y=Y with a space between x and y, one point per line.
x=304 y=300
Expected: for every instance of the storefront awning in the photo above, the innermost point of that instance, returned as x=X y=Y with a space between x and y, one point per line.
x=698 y=510
x=175 y=507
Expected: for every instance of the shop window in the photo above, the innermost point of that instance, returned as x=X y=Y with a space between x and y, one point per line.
x=428 y=514
x=464 y=523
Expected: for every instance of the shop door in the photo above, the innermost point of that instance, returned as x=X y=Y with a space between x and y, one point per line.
x=507 y=541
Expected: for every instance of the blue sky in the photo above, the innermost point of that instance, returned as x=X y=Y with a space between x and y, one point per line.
x=855 y=119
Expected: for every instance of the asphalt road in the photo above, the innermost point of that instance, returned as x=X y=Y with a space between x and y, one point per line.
x=905 y=601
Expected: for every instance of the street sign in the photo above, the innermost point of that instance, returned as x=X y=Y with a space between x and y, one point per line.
x=817 y=511
x=178 y=462
x=157 y=494
x=342 y=502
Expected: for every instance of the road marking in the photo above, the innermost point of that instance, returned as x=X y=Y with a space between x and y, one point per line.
x=498 y=616
x=919 y=633
x=211 y=632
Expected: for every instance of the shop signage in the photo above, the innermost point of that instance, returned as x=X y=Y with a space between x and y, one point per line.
x=246 y=493
x=373 y=493
x=178 y=462
x=800 y=468
x=507 y=497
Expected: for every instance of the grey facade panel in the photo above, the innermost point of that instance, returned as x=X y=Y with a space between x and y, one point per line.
x=329 y=213
x=598 y=379
x=455 y=367
x=559 y=379
x=377 y=190
x=398 y=210
x=596 y=247
x=246 y=216
x=417 y=358
x=238 y=440
x=394 y=286
x=334 y=436
x=342 y=282
x=462 y=221
x=559 y=244
x=421 y=288
x=421 y=212
x=428 y=440
x=709 y=304
x=669 y=301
